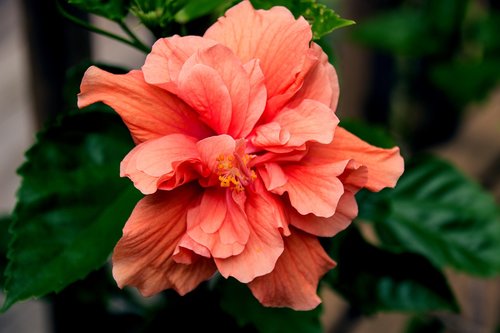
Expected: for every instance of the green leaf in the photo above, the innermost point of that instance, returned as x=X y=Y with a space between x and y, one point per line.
x=485 y=33
x=403 y=31
x=115 y=10
x=424 y=325
x=196 y=9
x=4 y=241
x=238 y=301
x=323 y=20
x=467 y=81
x=437 y=212
x=444 y=16
x=374 y=280
x=372 y=134
x=157 y=14
x=71 y=205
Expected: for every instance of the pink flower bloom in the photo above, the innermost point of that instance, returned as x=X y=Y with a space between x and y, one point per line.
x=240 y=157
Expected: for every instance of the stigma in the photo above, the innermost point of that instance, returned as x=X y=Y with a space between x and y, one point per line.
x=233 y=170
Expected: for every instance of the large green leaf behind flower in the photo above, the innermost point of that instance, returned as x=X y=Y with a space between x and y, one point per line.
x=373 y=279
x=437 y=212
x=71 y=205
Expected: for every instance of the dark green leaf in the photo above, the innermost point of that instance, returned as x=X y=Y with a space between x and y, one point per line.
x=437 y=212
x=424 y=325
x=196 y=9
x=322 y=19
x=71 y=205
x=4 y=241
x=485 y=33
x=444 y=16
x=237 y=300
x=114 y=10
x=403 y=31
x=374 y=280
x=467 y=81
x=372 y=134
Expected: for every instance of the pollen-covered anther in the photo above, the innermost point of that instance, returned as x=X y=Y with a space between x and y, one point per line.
x=233 y=171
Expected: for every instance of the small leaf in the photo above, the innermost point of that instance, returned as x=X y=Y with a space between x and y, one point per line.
x=374 y=280
x=115 y=10
x=238 y=301
x=437 y=212
x=323 y=20
x=71 y=205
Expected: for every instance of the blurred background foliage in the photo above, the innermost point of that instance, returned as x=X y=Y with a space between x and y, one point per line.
x=431 y=59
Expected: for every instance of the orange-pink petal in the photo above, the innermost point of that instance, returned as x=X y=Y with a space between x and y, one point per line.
x=219 y=224
x=313 y=189
x=212 y=147
x=294 y=126
x=203 y=89
x=384 y=166
x=277 y=39
x=242 y=85
x=321 y=82
x=149 y=112
x=156 y=161
x=143 y=256
x=347 y=210
x=265 y=243
x=168 y=55
x=294 y=281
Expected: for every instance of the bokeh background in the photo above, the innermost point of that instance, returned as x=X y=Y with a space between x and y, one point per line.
x=432 y=80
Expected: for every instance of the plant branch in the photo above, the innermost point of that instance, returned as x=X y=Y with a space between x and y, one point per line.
x=134 y=43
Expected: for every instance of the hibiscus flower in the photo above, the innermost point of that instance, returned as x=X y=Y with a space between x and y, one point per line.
x=240 y=159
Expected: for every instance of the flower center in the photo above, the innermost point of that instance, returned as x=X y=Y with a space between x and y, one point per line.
x=233 y=170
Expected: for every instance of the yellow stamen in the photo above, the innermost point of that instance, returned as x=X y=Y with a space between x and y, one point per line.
x=233 y=171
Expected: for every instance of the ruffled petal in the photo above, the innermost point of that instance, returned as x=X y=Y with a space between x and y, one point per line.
x=143 y=256
x=277 y=39
x=203 y=89
x=384 y=166
x=229 y=81
x=149 y=112
x=272 y=175
x=265 y=243
x=157 y=161
x=294 y=281
x=309 y=121
x=219 y=224
x=164 y=63
x=258 y=97
x=347 y=210
x=314 y=189
x=321 y=83
x=353 y=178
x=212 y=147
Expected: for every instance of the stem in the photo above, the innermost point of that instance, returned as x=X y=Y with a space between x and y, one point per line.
x=137 y=44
